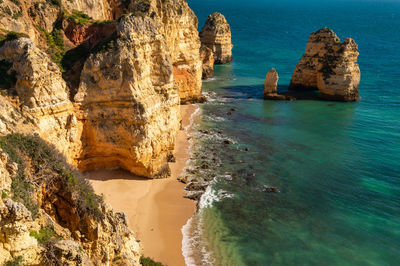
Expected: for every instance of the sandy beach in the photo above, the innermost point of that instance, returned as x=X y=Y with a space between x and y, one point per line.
x=156 y=208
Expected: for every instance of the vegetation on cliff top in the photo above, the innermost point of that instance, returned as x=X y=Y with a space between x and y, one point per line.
x=16 y=261
x=6 y=36
x=80 y=18
x=55 y=43
x=39 y=163
x=145 y=261
x=44 y=235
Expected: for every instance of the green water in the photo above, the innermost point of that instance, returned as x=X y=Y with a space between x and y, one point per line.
x=337 y=165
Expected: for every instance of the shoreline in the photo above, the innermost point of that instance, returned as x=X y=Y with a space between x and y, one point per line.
x=156 y=208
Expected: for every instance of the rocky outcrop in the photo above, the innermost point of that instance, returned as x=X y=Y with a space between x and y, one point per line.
x=43 y=95
x=179 y=26
x=271 y=88
x=328 y=66
x=207 y=57
x=216 y=35
x=271 y=82
x=49 y=214
x=129 y=102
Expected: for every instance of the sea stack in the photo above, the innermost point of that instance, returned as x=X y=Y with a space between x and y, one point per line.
x=271 y=82
x=216 y=35
x=329 y=66
x=271 y=87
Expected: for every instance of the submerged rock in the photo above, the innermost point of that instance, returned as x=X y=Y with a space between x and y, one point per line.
x=328 y=66
x=216 y=35
x=271 y=189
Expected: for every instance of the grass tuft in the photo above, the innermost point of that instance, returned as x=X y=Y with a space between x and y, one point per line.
x=80 y=18
x=42 y=159
x=44 y=235
x=55 y=43
x=145 y=261
x=16 y=261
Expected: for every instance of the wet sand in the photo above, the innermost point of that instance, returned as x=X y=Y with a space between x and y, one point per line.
x=156 y=208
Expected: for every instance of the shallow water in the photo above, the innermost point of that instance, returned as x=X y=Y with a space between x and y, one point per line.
x=337 y=165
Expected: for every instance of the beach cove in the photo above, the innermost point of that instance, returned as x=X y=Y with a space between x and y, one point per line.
x=156 y=208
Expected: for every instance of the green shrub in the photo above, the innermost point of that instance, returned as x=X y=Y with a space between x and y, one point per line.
x=44 y=158
x=79 y=17
x=8 y=11
x=16 y=2
x=55 y=2
x=55 y=43
x=105 y=45
x=44 y=235
x=17 y=15
x=11 y=35
x=145 y=261
x=4 y=193
x=17 y=261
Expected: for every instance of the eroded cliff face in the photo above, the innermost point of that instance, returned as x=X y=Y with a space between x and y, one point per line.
x=42 y=96
x=178 y=24
x=207 y=56
x=49 y=215
x=329 y=66
x=129 y=102
x=216 y=35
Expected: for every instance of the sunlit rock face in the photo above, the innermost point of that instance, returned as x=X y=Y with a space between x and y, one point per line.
x=329 y=66
x=128 y=101
x=43 y=96
x=216 y=35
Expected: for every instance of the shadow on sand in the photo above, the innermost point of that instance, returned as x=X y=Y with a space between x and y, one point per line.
x=106 y=174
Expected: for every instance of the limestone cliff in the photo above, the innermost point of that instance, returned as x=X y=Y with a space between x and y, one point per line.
x=216 y=35
x=329 y=66
x=128 y=101
x=49 y=214
x=207 y=56
x=178 y=24
x=42 y=95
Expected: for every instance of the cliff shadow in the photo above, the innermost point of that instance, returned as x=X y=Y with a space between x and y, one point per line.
x=257 y=92
x=107 y=174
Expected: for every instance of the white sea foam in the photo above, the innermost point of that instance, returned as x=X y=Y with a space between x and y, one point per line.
x=210 y=196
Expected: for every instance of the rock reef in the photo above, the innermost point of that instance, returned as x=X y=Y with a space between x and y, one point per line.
x=216 y=35
x=329 y=66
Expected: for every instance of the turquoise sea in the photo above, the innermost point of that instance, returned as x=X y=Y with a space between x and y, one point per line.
x=337 y=165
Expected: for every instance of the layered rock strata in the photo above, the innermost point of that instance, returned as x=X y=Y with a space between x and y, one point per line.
x=216 y=35
x=328 y=66
x=42 y=95
x=49 y=214
x=129 y=102
x=179 y=25
x=271 y=82
x=207 y=57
